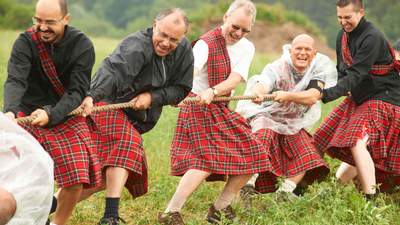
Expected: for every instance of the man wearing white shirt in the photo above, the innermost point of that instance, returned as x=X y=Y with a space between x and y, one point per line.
x=211 y=141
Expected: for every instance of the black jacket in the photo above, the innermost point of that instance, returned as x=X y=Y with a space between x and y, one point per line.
x=134 y=68
x=368 y=47
x=27 y=88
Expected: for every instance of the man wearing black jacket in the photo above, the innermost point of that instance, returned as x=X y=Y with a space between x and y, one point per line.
x=48 y=76
x=150 y=68
x=363 y=131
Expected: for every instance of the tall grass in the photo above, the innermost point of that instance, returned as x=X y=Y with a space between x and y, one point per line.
x=324 y=203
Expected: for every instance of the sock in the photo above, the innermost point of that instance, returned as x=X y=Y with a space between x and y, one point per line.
x=112 y=205
x=287 y=186
x=253 y=180
x=53 y=205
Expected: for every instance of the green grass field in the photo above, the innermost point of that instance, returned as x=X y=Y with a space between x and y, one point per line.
x=324 y=203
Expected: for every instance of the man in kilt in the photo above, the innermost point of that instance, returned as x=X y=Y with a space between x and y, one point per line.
x=211 y=141
x=48 y=76
x=364 y=130
x=296 y=81
x=150 y=68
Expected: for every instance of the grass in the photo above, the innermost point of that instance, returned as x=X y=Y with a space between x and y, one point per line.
x=324 y=203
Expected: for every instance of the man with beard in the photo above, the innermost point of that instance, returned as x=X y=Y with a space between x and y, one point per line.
x=296 y=79
x=150 y=68
x=48 y=75
x=363 y=131
x=210 y=140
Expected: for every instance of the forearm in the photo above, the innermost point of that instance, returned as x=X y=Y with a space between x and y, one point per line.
x=308 y=97
x=226 y=86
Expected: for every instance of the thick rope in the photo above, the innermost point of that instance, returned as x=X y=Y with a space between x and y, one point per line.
x=28 y=119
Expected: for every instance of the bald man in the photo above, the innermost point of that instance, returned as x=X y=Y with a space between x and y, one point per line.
x=8 y=206
x=296 y=79
x=151 y=68
x=48 y=76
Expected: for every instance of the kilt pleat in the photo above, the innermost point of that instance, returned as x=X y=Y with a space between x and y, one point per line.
x=290 y=155
x=215 y=139
x=120 y=145
x=348 y=122
x=74 y=154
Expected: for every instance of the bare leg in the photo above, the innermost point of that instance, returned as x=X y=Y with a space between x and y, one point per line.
x=365 y=167
x=67 y=199
x=346 y=173
x=115 y=181
x=187 y=185
x=232 y=187
x=86 y=193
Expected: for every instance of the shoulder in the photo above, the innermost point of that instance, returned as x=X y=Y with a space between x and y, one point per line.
x=244 y=45
x=138 y=42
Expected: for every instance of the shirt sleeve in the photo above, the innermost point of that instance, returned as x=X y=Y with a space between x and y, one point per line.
x=19 y=66
x=267 y=78
x=243 y=66
x=118 y=70
x=79 y=83
x=200 y=53
x=366 y=55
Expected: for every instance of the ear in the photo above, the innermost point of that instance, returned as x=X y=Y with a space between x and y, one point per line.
x=362 y=12
x=67 y=18
x=154 y=24
x=225 y=18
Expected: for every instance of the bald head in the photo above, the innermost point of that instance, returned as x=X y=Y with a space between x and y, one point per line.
x=303 y=38
x=302 y=52
x=60 y=6
x=8 y=206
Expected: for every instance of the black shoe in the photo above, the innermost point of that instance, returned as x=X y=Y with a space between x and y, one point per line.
x=111 y=221
x=214 y=216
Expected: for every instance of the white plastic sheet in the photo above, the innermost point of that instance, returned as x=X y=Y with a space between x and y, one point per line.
x=26 y=171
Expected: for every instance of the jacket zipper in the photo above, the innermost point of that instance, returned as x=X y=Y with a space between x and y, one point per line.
x=163 y=73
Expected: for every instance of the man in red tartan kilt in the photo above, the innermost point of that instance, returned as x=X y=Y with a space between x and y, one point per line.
x=296 y=80
x=150 y=68
x=364 y=130
x=211 y=141
x=48 y=76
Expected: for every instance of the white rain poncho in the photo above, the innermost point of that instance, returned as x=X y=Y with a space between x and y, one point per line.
x=290 y=118
x=26 y=171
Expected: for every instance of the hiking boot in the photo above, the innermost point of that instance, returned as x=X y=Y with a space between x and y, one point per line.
x=170 y=218
x=111 y=221
x=247 y=193
x=214 y=216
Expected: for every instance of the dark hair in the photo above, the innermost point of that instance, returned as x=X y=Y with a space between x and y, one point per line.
x=358 y=4
x=396 y=45
x=63 y=7
x=164 y=13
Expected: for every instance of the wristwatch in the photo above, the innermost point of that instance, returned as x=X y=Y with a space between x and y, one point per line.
x=215 y=91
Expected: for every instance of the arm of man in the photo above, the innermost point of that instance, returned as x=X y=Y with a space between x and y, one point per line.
x=366 y=56
x=79 y=82
x=308 y=97
x=19 y=66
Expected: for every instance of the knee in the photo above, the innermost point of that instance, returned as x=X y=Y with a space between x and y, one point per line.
x=74 y=188
x=8 y=206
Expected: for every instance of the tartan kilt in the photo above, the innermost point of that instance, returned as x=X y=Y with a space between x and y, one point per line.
x=380 y=121
x=74 y=154
x=120 y=145
x=290 y=155
x=214 y=139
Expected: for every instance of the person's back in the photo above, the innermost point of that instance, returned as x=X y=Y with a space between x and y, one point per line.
x=26 y=172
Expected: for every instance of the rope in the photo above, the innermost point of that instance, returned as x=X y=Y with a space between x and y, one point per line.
x=78 y=111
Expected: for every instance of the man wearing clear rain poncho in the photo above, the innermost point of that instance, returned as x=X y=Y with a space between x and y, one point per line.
x=296 y=80
x=26 y=176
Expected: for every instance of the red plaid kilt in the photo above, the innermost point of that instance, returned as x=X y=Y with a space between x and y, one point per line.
x=215 y=139
x=290 y=155
x=121 y=146
x=74 y=154
x=347 y=123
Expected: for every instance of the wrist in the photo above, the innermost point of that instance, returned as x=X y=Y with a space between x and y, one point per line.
x=214 y=91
